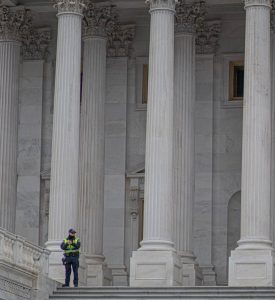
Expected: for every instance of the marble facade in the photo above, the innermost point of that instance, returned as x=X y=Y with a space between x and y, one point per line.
x=218 y=127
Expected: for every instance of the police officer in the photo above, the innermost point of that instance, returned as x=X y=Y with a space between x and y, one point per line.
x=71 y=246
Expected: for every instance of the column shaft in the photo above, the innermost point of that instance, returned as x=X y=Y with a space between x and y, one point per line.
x=91 y=190
x=184 y=139
x=65 y=144
x=252 y=263
x=156 y=262
x=272 y=231
x=9 y=80
x=159 y=135
x=184 y=154
x=256 y=157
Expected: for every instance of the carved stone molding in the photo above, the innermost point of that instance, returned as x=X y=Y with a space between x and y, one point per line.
x=189 y=17
x=70 y=6
x=161 y=4
x=35 y=43
x=134 y=198
x=15 y=288
x=207 y=40
x=98 y=20
x=14 y=24
x=120 y=40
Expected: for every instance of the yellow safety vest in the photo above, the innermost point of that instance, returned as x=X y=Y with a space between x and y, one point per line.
x=71 y=248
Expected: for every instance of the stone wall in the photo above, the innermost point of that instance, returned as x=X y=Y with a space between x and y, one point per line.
x=23 y=269
x=227 y=144
x=29 y=149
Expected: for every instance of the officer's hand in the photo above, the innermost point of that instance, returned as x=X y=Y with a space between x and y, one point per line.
x=69 y=242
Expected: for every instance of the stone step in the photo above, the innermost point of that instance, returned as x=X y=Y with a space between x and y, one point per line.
x=194 y=293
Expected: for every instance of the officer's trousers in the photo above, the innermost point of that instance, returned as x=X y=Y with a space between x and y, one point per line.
x=72 y=262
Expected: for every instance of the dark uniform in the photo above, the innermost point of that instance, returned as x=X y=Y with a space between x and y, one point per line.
x=71 y=257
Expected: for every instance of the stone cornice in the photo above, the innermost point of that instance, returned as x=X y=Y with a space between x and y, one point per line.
x=189 y=17
x=207 y=40
x=161 y=4
x=70 y=6
x=14 y=24
x=35 y=43
x=120 y=40
x=249 y=3
x=98 y=20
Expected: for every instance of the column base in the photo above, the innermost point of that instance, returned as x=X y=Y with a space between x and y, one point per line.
x=208 y=275
x=82 y=271
x=191 y=274
x=155 y=268
x=98 y=274
x=119 y=274
x=56 y=268
x=252 y=267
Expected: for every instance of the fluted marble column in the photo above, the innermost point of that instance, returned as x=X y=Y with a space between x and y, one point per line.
x=155 y=262
x=9 y=79
x=184 y=138
x=91 y=163
x=9 y=83
x=252 y=262
x=273 y=129
x=65 y=143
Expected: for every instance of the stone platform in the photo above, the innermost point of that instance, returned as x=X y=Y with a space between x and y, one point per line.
x=194 y=293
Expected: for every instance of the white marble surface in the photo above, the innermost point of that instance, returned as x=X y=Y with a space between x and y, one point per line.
x=156 y=262
x=158 y=207
x=184 y=152
x=136 y=123
x=29 y=150
x=272 y=230
x=91 y=158
x=46 y=145
x=227 y=145
x=218 y=131
x=9 y=82
x=65 y=142
x=24 y=269
x=115 y=165
x=252 y=262
x=202 y=223
x=65 y=150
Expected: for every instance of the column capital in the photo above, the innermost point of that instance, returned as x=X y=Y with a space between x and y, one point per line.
x=35 y=43
x=189 y=17
x=13 y=24
x=70 y=6
x=98 y=20
x=249 y=3
x=162 y=4
x=208 y=34
x=120 y=40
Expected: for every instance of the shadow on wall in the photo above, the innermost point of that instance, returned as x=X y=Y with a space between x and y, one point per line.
x=233 y=222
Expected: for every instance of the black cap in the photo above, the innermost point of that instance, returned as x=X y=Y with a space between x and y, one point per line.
x=72 y=230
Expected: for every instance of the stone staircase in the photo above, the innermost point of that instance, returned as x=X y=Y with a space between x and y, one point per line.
x=194 y=293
